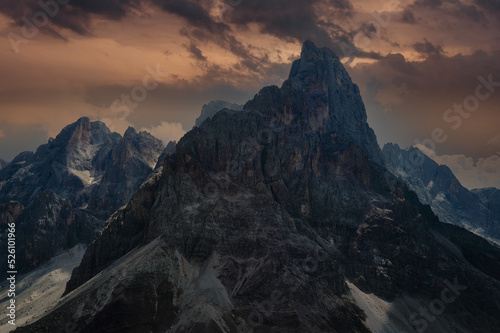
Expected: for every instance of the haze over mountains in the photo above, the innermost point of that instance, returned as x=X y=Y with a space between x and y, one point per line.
x=285 y=216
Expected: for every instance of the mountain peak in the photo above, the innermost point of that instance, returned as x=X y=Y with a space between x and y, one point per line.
x=83 y=121
x=320 y=95
x=311 y=52
x=83 y=130
x=209 y=110
x=130 y=132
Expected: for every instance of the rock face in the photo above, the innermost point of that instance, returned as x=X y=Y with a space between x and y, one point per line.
x=490 y=197
x=209 y=110
x=259 y=218
x=437 y=186
x=169 y=150
x=3 y=164
x=47 y=226
x=71 y=185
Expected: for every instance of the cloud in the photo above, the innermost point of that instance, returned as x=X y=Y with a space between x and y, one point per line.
x=285 y=19
x=495 y=141
x=427 y=57
x=408 y=17
x=194 y=13
x=75 y=16
x=454 y=7
x=195 y=52
x=297 y=20
x=411 y=98
x=166 y=131
x=491 y=5
x=109 y=8
x=115 y=123
x=428 y=48
x=485 y=172
x=2 y=133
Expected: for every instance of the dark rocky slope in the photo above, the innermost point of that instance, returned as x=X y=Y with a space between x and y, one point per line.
x=490 y=197
x=260 y=217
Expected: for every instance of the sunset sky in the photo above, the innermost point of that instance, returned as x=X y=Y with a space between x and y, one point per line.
x=413 y=60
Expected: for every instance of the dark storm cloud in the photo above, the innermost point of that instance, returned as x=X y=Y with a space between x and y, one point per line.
x=74 y=19
x=408 y=17
x=292 y=19
x=289 y=20
x=195 y=52
x=471 y=12
x=428 y=48
x=493 y=5
x=250 y=58
x=75 y=15
x=193 y=12
x=454 y=7
x=415 y=95
x=429 y=3
x=13 y=8
x=115 y=9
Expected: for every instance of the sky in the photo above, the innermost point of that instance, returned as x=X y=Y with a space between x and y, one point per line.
x=428 y=70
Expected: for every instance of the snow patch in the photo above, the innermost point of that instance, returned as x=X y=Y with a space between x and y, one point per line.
x=440 y=197
x=84 y=176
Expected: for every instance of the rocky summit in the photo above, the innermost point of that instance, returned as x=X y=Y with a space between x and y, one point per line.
x=61 y=195
x=281 y=217
x=209 y=110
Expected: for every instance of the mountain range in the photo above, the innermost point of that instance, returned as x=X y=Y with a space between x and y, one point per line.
x=284 y=216
x=61 y=195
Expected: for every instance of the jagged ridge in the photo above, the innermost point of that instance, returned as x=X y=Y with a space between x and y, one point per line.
x=268 y=211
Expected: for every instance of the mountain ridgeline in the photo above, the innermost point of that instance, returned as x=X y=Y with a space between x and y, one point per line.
x=437 y=186
x=61 y=195
x=209 y=110
x=265 y=219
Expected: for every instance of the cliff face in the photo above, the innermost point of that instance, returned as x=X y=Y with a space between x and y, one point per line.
x=259 y=218
x=320 y=96
x=490 y=197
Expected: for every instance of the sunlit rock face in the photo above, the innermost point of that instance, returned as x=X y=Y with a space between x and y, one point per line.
x=259 y=218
